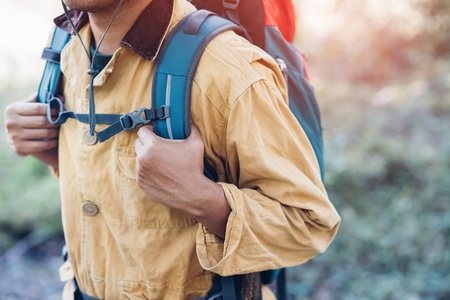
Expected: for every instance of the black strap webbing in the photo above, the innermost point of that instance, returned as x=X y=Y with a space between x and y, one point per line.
x=51 y=55
x=281 y=285
x=228 y=288
x=194 y=23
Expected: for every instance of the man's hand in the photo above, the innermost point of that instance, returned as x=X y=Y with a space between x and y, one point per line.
x=171 y=173
x=29 y=132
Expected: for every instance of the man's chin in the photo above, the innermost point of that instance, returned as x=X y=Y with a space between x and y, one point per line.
x=92 y=6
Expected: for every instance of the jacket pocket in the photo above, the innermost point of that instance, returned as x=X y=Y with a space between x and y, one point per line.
x=194 y=288
x=140 y=209
x=133 y=290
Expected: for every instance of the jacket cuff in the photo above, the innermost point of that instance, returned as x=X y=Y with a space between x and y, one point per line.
x=54 y=172
x=213 y=252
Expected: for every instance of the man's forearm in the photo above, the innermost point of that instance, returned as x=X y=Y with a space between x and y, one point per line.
x=212 y=210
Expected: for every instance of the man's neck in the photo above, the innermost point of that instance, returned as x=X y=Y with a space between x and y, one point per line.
x=127 y=15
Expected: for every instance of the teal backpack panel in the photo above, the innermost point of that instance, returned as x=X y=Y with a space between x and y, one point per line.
x=51 y=79
x=175 y=69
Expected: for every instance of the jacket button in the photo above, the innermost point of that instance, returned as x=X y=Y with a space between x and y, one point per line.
x=90 y=139
x=90 y=208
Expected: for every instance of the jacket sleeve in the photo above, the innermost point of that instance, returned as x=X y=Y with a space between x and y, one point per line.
x=281 y=215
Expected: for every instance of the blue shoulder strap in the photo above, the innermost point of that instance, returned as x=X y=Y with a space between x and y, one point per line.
x=51 y=79
x=175 y=69
x=176 y=66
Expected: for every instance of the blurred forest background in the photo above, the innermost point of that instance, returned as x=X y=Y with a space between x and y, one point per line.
x=381 y=70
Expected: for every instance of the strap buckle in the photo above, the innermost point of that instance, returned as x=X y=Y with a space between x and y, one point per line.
x=166 y=112
x=230 y=4
x=51 y=55
x=133 y=119
x=55 y=102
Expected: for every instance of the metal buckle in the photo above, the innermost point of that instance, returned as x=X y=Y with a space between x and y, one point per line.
x=166 y=111
x=52 y=103
x=48 y=96
x=230 y=4
x=136 y=119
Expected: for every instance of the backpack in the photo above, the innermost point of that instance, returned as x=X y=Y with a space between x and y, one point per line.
x=269 y=27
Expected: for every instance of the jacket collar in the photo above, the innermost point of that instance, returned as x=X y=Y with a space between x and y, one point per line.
x=144 y=37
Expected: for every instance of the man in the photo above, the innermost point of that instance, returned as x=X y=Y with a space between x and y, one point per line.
x=141 y=220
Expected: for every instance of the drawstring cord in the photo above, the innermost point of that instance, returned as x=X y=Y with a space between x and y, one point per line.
x=92 y=71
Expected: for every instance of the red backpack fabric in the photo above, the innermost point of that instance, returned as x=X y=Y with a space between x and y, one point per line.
x=281 y=14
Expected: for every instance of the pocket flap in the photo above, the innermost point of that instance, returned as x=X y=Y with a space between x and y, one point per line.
x=134 y=290
x=125 y=158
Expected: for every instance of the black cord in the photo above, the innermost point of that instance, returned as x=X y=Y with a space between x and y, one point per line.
x=92 y=71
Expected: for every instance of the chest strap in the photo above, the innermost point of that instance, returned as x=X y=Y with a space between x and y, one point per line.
x=49 y=88
x=134 y=119
x=118 y=123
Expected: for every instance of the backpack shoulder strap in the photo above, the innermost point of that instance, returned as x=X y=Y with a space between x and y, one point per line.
x=51 y=79
x=175 y=70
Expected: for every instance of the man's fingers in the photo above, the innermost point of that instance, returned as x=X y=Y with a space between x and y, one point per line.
x=40 y=133
x=145 y=133
x=27 y=147
x=35 y=122
x=29 y=107
x=32 y=109
x=138 y=146
x=42 y=145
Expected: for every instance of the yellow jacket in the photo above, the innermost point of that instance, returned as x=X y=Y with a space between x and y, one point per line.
x=121 y=243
